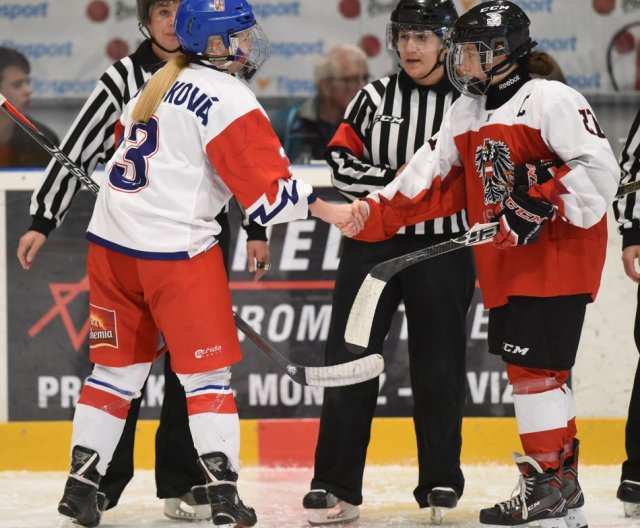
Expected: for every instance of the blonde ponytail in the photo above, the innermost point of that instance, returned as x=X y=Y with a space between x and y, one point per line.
x=156 y=88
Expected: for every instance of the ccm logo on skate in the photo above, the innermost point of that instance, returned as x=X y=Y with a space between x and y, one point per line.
x=514 y=349
x=206 y=352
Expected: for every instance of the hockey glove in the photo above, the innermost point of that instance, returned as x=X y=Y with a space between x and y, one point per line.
x=530 y=174
x=521 y=219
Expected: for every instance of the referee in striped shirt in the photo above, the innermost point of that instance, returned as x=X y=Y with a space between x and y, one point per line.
x=91 y=141
x=627 y=213
x=386 y=122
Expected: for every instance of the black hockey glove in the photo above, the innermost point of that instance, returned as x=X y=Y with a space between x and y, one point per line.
x=530 y=174
x=521 y=219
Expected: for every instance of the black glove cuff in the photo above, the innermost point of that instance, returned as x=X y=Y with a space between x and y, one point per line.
x=630 y=237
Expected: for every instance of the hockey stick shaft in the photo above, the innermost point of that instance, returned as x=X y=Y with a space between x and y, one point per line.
x=364 y=306
x=47 y=144
x=347 y=374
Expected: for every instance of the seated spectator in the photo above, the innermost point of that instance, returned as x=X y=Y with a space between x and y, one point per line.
x=17 y=149
x=305 y=128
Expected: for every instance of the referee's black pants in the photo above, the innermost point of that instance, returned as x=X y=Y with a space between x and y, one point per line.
x=437 y=294
x=631 y=466
x=177 y=469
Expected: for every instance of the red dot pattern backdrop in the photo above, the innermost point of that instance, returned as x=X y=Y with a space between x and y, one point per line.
x=97 y=10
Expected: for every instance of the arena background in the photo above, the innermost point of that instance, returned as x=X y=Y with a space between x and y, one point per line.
x=43 y=313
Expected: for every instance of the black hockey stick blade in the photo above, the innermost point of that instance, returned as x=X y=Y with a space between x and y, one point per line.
x=364 y=306
x=356 y=371
x=47 y=144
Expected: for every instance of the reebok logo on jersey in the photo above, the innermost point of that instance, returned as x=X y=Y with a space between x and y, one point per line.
x=514 y=349
x=509 y=82
x=102 y=327
x=389 y=119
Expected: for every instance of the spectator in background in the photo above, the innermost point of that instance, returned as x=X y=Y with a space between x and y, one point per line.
x=306 y=128
x=17 y=149
x=627 y=211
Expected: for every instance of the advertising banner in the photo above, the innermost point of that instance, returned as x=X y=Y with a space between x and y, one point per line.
x=595 y=42
x=290 y=307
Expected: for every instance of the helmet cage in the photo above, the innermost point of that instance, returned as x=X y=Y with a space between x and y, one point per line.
x=247 y=47
x=460 y=58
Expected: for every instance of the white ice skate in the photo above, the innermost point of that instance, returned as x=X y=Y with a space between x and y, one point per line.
x=440 y=500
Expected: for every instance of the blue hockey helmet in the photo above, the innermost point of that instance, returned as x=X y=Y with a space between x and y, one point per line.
x=222 y=32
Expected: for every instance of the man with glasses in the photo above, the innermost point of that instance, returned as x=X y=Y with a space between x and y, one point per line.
x=306 y=129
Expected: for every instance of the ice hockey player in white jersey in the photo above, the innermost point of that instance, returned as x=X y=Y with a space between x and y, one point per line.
x=545 y=263
x=192 y=137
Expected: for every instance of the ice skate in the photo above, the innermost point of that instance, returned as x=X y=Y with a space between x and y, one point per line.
x=629 y=494
x=325 y=508
x=227 y=510
x=192 y=506
x=536 y=502
x=79 y=500
x=440 y=500
x=572 y=492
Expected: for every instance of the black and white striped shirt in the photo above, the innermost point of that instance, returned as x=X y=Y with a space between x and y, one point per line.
x=91 y=138
x=627 y=207
x=386 y=122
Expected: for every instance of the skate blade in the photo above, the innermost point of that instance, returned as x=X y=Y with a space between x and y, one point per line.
x=576 y=519
x=179 y=510
x=542 y=523
x=436 y=515
x=631 y=509
x=342 y=513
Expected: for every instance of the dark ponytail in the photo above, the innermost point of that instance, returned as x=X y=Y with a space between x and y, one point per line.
x=541 y=64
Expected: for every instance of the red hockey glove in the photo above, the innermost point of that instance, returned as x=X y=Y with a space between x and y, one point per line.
x=521 y=219
x=530 y=174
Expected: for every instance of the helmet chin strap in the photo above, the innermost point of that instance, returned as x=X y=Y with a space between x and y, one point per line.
x=147 y=34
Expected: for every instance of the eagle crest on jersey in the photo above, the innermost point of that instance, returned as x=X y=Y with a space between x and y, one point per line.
x=494 y=165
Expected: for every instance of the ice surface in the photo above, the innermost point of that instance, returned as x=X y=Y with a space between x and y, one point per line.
x=29 y=499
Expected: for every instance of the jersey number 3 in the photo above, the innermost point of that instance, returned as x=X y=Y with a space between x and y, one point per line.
x=129 y=173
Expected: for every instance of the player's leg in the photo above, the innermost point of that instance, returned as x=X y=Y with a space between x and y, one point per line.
x=437 y=294
x=538 y=339
x=120 y=470
x=629 y=489
x=97 y=425
x=191 y=304
x=179 y=478
x=122 y=338
x=347 y=412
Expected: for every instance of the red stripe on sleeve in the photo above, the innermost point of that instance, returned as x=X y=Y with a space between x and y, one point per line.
x=346 y=137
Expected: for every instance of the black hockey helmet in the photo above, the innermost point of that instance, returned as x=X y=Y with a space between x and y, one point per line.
x=434 y=15
x=497 y=28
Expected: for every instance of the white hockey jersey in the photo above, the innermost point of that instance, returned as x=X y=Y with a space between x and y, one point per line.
x=168 y=179
x=471 y=165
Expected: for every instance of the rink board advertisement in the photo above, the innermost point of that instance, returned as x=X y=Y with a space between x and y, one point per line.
x=594 y=41
x=290 y=307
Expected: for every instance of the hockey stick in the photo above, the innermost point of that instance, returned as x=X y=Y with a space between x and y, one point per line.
x=349 y=373
x=364 y=306
x=47 y=144
x=357 y=371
